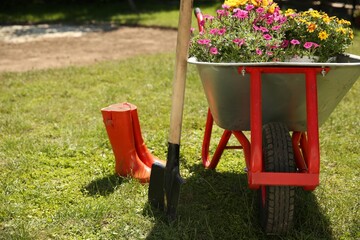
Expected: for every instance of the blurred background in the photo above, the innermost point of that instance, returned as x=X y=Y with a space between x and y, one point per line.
x=91 y=11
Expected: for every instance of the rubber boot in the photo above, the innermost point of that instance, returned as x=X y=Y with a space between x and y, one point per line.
x=118 y=122
x=141 y=149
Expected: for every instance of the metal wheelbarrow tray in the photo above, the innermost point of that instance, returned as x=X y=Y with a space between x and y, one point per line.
x=283 y=104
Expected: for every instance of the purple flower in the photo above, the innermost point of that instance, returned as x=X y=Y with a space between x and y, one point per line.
x=259 y=52
x=249 y=7
x=267 y=36
x=295 y=42
x=214 y=50
x=203 y=41
x=239 y=41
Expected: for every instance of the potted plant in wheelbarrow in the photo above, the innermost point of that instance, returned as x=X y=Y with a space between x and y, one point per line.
x=278 y=74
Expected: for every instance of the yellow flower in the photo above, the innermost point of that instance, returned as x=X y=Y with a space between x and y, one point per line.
x=345 y=22
x=265 y=3
x=235 y=3
x=351 y=34
x=272 y=8
x=326 y=20
x=342 y=30
x=311 y=27
x=256 y=3
x=289 y=12
x=323 y=35
x=314 y=13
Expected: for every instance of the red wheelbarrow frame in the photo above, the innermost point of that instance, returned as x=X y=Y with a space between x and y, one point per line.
x=305 y=144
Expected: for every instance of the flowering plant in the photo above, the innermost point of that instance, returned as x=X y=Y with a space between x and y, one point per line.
x=258 y=31
x=320 y=35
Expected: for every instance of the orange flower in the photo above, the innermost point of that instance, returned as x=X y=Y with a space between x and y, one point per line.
x=311 y=27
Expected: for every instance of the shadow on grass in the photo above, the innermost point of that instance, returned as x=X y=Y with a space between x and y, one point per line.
x=102 y=186
x=217 y=205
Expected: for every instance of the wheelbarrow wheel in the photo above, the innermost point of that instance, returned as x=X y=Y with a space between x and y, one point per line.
x=277 y=202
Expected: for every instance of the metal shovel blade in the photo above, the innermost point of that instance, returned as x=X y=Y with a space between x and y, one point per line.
x=156 y=186
x=165 y=183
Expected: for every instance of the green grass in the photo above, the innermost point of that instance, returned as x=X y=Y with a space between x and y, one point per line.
x=57 y=168
x=57 y=177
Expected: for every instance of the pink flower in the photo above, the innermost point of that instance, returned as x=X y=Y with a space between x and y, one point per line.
x=192 y=30
x=282 y=19
x=294 y=42
x=226 y=7
x=264 y=29
x=221 y=31
x=259 y=52
x=208 y=17
x=269 y=53
x=260 y=10
x=309 y=45
x=267 y=36
x=256 y=28
x=285 y=43
x=270 y=20
x=241 y=14
x=276 y=28
x=213 y=31
x=221 y=12
x=203 y=41
x=249 y=7
x=214 y=50
x=239 y=41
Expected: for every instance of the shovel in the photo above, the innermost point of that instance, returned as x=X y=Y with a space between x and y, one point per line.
x=165 y=181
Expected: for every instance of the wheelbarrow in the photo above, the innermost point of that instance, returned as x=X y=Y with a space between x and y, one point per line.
x=282 y=104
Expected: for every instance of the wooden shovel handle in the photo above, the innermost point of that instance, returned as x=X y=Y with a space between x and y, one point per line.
x=179 y=80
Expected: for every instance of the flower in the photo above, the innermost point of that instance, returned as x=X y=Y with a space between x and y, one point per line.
x=323 y=35
x=258 y=31
x=319 y=34
x=241 y=31
x=213 y=51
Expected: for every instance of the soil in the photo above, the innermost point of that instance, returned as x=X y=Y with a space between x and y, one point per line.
x=24 y=48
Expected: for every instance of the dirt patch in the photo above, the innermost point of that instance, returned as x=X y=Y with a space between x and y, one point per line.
x=24 y=48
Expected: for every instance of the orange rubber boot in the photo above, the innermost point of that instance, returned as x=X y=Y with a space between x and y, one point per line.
x=118 y=122
x=141 y=149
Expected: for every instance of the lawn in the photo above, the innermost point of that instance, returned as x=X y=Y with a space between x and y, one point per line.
x=57 y=176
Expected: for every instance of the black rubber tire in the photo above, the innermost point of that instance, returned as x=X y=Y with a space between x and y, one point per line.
x=277 y=202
